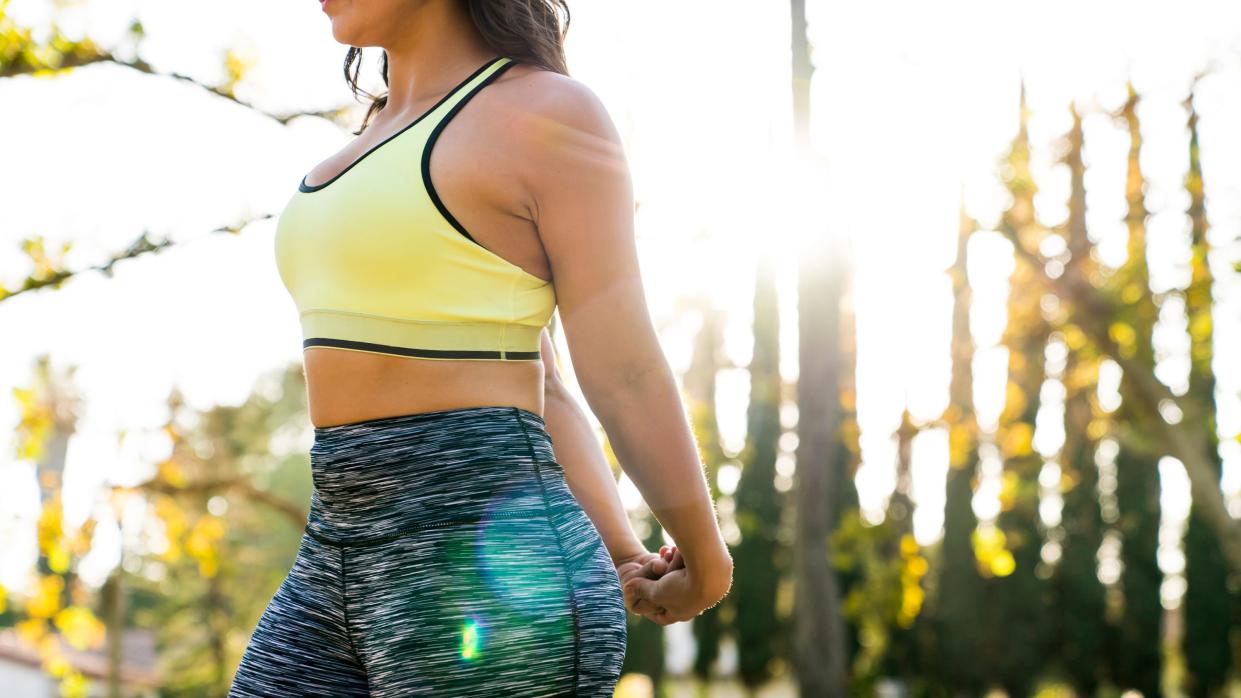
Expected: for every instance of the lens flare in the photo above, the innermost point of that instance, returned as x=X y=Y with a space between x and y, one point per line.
x=471 y=639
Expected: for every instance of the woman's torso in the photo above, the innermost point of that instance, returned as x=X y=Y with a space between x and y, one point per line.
x=389 y=289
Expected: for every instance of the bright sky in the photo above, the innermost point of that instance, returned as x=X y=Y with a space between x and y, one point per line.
x=912 y=105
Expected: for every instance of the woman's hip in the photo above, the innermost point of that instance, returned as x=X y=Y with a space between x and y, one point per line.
x=381 y=478
x=463 y=555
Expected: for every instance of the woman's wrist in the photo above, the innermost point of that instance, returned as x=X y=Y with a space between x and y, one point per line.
x=711 y=570
x=626 y=550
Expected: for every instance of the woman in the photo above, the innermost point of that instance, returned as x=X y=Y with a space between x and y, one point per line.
x=449 y=551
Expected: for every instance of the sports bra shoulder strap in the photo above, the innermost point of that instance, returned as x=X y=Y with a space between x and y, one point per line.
x=468 y=87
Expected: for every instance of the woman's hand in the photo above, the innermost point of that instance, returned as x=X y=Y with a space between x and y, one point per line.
x=667 y=592
x=647 y=565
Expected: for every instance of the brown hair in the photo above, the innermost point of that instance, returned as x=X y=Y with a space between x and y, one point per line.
x=525 y=30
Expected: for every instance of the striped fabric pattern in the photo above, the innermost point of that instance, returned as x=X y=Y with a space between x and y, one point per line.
x=445 y=555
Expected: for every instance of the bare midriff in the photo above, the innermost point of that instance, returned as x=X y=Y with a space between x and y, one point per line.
x=347 y=386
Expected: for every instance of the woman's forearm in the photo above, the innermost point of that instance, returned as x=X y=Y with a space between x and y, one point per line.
x=651 y=436
x=587 y=472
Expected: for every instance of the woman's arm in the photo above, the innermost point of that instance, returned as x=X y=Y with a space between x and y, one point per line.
x=586 y=469
x=581 y=198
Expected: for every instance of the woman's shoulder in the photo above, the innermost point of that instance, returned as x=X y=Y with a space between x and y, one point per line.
x=542 y=107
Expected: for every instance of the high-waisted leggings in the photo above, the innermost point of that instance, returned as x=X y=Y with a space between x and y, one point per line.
x=444 y=556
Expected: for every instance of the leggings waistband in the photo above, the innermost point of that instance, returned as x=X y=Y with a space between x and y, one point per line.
x=382 y=478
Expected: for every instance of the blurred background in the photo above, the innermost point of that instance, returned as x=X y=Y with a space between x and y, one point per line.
x=951 y=290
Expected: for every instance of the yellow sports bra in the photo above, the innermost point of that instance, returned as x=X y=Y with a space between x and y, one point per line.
x=375 y=262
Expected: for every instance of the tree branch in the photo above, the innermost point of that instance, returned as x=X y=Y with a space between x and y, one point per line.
x=141 y=246
x=1089 y=309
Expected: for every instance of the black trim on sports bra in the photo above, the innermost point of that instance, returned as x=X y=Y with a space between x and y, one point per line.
x=422 y=353
x=303 y=186
x=434 y=136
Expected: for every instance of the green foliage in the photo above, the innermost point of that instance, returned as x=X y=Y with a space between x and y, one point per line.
x=888 y=597
x=1019 y=628
x=761 y=558
x=959 y=602
x=229 y=513
x=1208 y=597
x=1137 y=656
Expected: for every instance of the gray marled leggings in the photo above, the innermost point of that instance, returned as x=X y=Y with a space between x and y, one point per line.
x=444 y=556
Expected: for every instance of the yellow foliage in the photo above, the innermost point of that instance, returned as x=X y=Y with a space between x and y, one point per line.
x=1200 y=327
x=1018 y=440
x=74 y=685
x=848 y=400
x=849 y=432
x=4 y=598
x=238 y=63
x=58 y=558
x=990 y=551
x=31 y=630
x=1123 y=334
x=909 y=545
x=988 y=537
x=1003 y=564
x=49 y=525
x=83 y=538
x=911 y=603
x=35 y=424
x=46 y=600
x=960 y=445
x=1014 y=401
x=1074 y=337
x=205 y=534
x=1009 y=483
x=172 y=473
x=1068 y=481
x=202 y=542
x=918 y=566
x=80 y=627
x=1096 y=429
x=173 y=519
x=209 y=566
x=56 y=665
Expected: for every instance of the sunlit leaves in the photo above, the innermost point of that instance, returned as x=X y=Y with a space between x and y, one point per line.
x=45 y=601
x=172 y=473
x=175 y=524
x=890 y=568
x=236 y=64
x=991 y=551
x=1017 y=439
x=1125 y=337
x=203 y=542
x=20 y=54
x=961 y=443
x=80 y=628
x=34 y=423
x=51 y=536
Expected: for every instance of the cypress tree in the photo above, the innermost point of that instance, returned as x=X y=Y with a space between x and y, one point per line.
x=1207 y=602
x=1020 y=627
x=1137 y=655
x=1080 y=602
x=955 y=591
x=848 y=449
x=760 y=555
